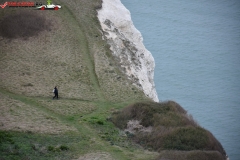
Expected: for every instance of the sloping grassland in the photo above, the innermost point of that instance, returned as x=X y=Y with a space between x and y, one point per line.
x=64 y=48
x=42 y=49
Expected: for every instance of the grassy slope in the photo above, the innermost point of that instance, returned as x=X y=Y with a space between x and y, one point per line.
x=72 y=55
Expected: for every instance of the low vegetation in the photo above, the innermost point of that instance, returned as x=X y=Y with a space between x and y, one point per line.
x=17 y=145
x=190 y=155
x=171 y=128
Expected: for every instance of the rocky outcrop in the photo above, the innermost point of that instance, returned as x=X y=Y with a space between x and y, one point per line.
x=127 y=46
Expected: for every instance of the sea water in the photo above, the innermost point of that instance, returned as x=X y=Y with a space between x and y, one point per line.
x=196 y=47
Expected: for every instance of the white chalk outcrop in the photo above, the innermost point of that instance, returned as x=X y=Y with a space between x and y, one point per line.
x=127 y=45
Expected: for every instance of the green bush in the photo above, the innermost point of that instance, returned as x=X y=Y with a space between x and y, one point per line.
x=190 y=155
x=172 y=127
x=50 y=148
x=58 y=149
x=187 y=139
x=153 y=114
x=64 y=148
x=100 y=122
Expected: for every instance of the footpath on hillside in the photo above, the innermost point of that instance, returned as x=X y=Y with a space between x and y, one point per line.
x=35 y=126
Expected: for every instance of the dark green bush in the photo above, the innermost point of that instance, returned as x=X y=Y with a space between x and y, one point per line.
x=64 y=148
x=58 y=149
x=172 y=127
x=190 y=155
x=187 y=139
x=153 y=114
x=100 y=122
x=51 y=148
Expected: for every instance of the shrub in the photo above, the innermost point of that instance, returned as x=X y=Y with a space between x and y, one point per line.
x=100 y=122
x=64 y=148
x=190 y=155
x=187 y=139
x=58 y=148
x=172 y=127
x=214 y=144
x=153 y=114
x=50 y=148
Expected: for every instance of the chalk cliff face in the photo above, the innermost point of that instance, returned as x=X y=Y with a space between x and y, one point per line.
x=127 y=46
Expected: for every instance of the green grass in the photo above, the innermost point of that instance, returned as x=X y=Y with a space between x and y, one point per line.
x=39 y=146
x=94 y=133
x=68 y=51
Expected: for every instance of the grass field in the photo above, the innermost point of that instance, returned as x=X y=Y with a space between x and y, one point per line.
x=64 y=48
x=41 y=49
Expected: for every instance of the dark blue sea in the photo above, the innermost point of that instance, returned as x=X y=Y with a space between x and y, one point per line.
x=196 y=47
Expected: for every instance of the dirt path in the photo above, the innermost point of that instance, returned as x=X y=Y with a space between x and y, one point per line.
x=96 y=156
x=86 y=53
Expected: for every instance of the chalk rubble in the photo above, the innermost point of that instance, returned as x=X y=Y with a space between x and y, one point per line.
x=126 y=44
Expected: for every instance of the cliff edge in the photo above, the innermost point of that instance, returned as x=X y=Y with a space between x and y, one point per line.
x=127 y=46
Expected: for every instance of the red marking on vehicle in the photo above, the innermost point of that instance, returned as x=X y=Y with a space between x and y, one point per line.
x=21 y=4
x=4 y=5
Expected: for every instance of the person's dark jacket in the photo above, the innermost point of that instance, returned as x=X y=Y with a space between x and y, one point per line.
x=55 y=90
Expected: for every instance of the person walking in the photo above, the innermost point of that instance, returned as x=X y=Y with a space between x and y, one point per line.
x=55 y=91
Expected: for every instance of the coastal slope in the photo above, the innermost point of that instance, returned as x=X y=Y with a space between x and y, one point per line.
x=70 y=49
x=126 y=44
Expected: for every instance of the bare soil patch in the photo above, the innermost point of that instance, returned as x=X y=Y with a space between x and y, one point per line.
x=96 y=156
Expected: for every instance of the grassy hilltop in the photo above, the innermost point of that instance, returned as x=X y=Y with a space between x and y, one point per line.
x=42 y=49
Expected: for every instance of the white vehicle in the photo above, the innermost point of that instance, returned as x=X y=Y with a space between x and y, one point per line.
x=51 y=6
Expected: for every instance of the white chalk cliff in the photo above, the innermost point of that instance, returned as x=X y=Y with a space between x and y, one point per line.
x=127 y=45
